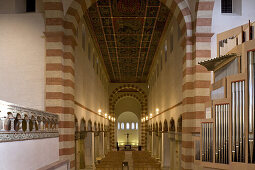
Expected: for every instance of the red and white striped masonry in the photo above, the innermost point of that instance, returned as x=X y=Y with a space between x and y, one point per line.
x=196 y=79
x=60 y=33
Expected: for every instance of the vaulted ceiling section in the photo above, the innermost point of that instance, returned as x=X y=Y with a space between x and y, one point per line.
x=128 y=33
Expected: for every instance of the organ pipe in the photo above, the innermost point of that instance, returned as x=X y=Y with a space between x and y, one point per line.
x=251 y=149
x=221 y=133
x=207 y=142
x=238 y=142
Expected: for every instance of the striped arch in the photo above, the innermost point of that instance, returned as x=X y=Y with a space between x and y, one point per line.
x=60 y=32
x=143 y=102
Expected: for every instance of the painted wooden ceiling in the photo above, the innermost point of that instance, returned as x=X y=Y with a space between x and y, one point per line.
x=128 y=34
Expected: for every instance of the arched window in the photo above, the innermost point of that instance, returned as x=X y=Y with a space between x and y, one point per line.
x=132 y=125
x=122 y=126
x=136 y=125
x=83 y=37
x=127 y=126
x=118 y=126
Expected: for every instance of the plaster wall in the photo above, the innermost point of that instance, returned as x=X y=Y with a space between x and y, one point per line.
x=128 y=104
x=166 y=87
x=91 y=87
x=33 y=155
x=243 y=12
x=22 y=57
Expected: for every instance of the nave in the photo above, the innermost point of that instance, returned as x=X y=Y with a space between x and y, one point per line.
x=83 y=79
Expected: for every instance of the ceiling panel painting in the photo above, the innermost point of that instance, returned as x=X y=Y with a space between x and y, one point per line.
x=128 y=33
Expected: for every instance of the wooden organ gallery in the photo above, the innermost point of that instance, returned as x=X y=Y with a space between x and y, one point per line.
x=227 y=132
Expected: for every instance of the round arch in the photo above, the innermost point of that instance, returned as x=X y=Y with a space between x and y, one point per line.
x=165 y=129
x=172 y=125
x=89 y=126
x=70 y=21
x=160 y=127
x=83 y=125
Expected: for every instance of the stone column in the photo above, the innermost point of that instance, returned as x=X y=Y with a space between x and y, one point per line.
x=154 y=144
x=149 y=141
x=160 y=146
x=89 y=151
x=176 y=146
x=173 y=153
x=165 y=162
x=101 y=144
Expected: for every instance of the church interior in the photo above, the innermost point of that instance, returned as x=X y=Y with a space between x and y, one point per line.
x=127 y=84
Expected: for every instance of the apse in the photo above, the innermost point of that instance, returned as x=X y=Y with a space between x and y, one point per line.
x=127 y=129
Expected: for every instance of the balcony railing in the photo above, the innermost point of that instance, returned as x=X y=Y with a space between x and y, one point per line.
x=20 y=123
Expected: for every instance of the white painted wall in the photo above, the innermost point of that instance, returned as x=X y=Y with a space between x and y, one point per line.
x=90 y=90
x=33 y=155
x=22 y=58
x=166 y=90
x=243 y=12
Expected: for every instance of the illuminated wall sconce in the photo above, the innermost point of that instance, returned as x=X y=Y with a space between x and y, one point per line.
x=147 y=117
x=109 y=117
x=105 y=115
x=150 y=115
x=157 y=111
x=113 y=119
x=99 y=111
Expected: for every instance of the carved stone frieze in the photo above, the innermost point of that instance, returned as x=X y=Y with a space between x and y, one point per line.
x=9 y=137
